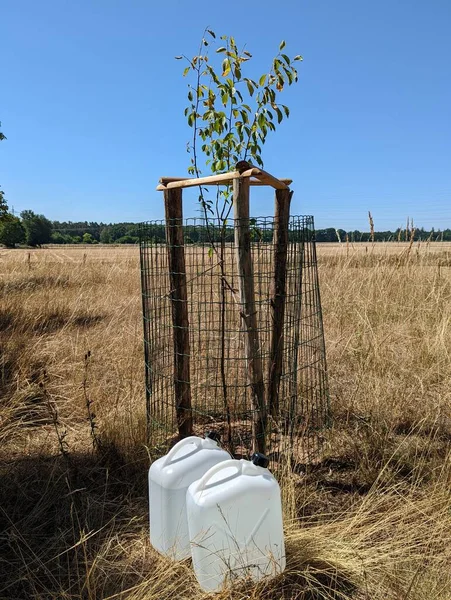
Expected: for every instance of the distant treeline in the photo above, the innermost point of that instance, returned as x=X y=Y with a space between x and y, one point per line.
x=68 y=232
x=35 y=230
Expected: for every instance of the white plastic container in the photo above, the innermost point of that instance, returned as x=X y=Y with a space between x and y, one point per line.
x=235 y=523
x=169 y=478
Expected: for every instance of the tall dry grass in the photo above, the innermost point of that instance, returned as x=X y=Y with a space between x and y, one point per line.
x=372 y=521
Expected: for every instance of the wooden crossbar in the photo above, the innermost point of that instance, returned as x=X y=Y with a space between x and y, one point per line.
x=256 y=177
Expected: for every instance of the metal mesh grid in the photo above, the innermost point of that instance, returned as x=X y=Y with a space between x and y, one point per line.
x=220 y=389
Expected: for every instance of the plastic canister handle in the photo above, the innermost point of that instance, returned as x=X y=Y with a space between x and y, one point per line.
x=192 y=439
x=202 y=482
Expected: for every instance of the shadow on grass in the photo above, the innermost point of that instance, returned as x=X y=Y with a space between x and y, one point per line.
x=14 y=321
x=60 y=518
x=75 y=526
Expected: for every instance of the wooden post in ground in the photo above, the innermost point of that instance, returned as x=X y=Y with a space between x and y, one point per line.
x=179 y=302
x=278 y=297
x=248 y=311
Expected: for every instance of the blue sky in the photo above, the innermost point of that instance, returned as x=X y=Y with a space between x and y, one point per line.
x=92 y=105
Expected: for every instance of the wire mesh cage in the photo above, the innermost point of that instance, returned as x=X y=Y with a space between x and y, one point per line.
x=214 y=383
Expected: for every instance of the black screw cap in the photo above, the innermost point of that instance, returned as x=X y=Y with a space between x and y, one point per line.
x=260 y=460
x=213 y=435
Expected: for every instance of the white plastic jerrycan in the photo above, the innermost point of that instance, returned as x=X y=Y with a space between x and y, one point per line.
x=235 y=523
x=169 y=478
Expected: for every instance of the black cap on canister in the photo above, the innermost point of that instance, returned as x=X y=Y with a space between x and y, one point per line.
x=213 y=435
x=260 y=460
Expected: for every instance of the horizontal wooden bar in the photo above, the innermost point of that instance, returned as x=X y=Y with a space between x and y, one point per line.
x=258 y=177
x=287 y=182
x=165 y=180
x=268 y=179
x=211 y=179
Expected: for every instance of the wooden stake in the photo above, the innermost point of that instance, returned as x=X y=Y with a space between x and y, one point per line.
x=248 y=311
x=179 y=301
x=278 y=297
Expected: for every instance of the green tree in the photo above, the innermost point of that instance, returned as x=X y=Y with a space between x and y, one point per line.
x=230 y=113
x=127 y=239
x=37 y=227
x=105 y=236
x=3 y=205
x=87 y=238
x=58 y=238
x=11 y=231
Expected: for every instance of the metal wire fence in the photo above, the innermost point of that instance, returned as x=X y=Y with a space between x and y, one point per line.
x=218 y=366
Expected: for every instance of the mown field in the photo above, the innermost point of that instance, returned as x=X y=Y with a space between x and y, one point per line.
x=371 y=521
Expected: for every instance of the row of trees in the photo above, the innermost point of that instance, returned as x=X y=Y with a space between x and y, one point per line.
x=35 y=230
x=30 y=229
x=68 y=232
x=331 y=234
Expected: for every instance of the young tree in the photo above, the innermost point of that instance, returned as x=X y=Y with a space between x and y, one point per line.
x=37 y=227
x=11 y=231
x=230 y=113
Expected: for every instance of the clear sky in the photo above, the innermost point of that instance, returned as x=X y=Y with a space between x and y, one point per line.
x=92 y=105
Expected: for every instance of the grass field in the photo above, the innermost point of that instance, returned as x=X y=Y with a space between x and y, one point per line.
x=372 y=521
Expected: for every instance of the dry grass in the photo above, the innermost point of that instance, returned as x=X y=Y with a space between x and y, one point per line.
x=372 y=521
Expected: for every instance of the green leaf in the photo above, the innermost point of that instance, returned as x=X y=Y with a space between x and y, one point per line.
x=282 y=45
x=261 y=81
x=286 y=110
x=190 y=96
x=212 y=33
x=225 y=67
x=289 y=75
x=279 y=114
x=191 y=119
x=244 y=116
x=298 y=57
x=186 y=71
x=210 y=252
x=250 y=87
x=285 y=58
x=221 y=49
x=178 y=57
